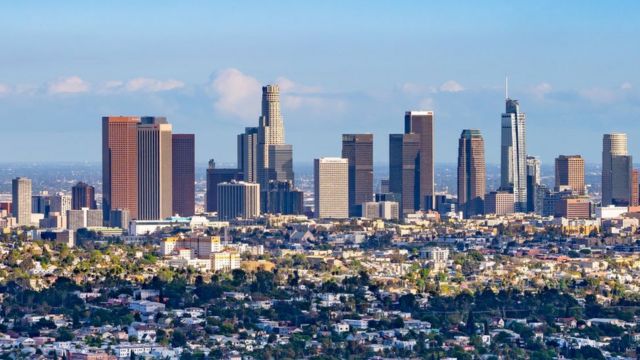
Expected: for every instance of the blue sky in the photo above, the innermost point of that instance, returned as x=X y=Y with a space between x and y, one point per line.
x=343 y=67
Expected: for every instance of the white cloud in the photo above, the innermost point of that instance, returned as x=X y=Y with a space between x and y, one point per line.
x=151 y=85
x=289 y=86
x=541 y=90
x=69 y=85
x=451 y=86
x=236 y=93
x=626 y=86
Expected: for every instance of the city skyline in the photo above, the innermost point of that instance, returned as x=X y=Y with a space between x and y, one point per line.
x=215 y=92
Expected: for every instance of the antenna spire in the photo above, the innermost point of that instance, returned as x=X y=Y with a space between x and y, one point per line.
x=506 y=87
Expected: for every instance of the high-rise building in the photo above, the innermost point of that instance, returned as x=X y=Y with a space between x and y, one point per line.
x=513 y=154
x=533 y=181
x=574 y=207
x=472 y=180
x=120 y=164
x=499 y=203
x=155 y=167
x=216 y=176
x=331 y=188
x=404 y=176
x=280 y=163
x=283 y=198
x=238 y=199
x=60 y=203
x=358 y=150
x=183 y=174
x=616 y=170
x=83 y=218
x=635 y=191
x=21 y=200
x=422 y=123
x=570 y=174
x=248 y=154
x=41 y=203
x=270 y=130
x=83 y=195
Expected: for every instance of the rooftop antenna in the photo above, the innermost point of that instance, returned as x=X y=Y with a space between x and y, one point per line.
x=506 y=87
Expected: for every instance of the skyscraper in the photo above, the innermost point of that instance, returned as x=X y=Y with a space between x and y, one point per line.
x=238 y=199
x=616 y=170
x=83 y=196
x=471 y=173
x=248 y=154
x=21 y=200
x=533 y=181
x=331 y=188
x=280 y=163
x=570 y=174
x=283 y=198
x=358 y=150
x=270 y=130
x=183 y=174
x=120 y=164
x=404 y=174
x=422 y=123
x=514 y=154
x=635 y=191
x=155 y=167
x=216 y=176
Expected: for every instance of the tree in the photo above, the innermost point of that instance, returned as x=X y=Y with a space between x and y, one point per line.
x=178 y=339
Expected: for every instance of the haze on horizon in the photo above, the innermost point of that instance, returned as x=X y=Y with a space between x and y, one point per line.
x=342 y=68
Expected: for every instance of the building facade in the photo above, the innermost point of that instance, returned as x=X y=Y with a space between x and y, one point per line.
x=331 y=188
x=471 y=173
x=404 y=167
x=570 y=174
x=422 y=124
x=358 y=150
x=238 y=199
x=616 y=170
x=183 y=174
x=155 y=169
x=270 y=130
x=83 y=195
x=21 y=200
x=513 y=154
x=216 y=176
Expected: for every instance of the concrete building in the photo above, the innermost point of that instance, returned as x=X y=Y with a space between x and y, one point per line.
x=183 y=174
x=216 y=176
x=155 y=168
x=270 y=130
x=635 y=191
x=513 y=154
x=499 y=203
x=386 y=210
x=120 y=164
x=533 y=181
x=60 y=203
x=248 y=154
x=21 y=200
x=358 y=150
x=471 y=173
x=331 y=188
x=280 y=163
x=84 y=218
x=422 y=124
x=225 y=261
x=574 y=207
x=238 y=199
x=404 y=161
x=570 y=174
x=283 y=198
x=617 y=166
x=200 y=246
x=83 y=195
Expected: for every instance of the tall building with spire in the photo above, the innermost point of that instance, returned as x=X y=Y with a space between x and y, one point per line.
x=471 y=173
x=617 y=167
x=270 y=130
x=513 y=154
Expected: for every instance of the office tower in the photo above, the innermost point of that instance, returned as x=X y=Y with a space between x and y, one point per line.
x=542 y=192
x=574 y=207
x=238 y=199
x=472 y=180
x=83 y=195
x=384 y=186
x=21 y=200
x=280 y=163
x=386 y=210
x=331 y=188
x=358 y=150
x=119 y=218
x=533 y=181
x=155 y=189
x=83 y=218
x=183 y=174
x=283 y=198
x=216 y=176
x=499 y=203
x=404 y=164
x=120 y=164
x=513 y=154
x=635 y=191
x=270 y=130
x=616 y=170
x=422 y=123
x=248 y=154
x=41 y=203
x=570 y=173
